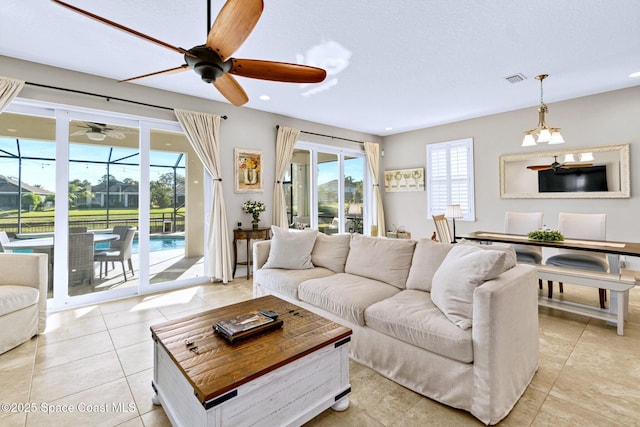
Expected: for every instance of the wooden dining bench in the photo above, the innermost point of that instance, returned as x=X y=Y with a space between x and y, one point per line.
x=618 y=284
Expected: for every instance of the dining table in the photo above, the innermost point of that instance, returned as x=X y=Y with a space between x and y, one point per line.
x=617 y=281
x=612 y=248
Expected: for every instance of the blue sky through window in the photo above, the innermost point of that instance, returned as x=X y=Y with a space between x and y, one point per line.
x=42 y=172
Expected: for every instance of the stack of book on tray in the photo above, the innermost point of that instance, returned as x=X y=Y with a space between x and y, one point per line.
x=245 y=325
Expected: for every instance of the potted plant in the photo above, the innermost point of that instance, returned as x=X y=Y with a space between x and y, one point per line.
x=254 y=208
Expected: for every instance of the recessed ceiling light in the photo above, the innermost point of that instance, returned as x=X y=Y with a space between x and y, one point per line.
x=389 y=128
x=11 y=130
x=636 y=74
x=265 y=97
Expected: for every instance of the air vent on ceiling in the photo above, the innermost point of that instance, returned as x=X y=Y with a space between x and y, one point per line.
x=516 y=78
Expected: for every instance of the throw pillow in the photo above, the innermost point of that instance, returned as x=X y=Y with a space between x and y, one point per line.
x=330 y=251
x=379 y=258
x=509 y=261
x=464 y=269
x=291 y=249
x=426 y=259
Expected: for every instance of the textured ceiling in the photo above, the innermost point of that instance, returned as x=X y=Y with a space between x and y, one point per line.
x=403 y=64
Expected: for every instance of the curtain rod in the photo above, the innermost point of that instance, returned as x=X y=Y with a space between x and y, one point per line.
x=108 y=98
x=327 y=136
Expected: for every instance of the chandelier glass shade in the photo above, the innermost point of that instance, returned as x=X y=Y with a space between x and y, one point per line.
x=542 y=133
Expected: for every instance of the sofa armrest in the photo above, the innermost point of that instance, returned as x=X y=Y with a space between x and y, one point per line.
x=505 y=341
x=261 y=250
x=28 y=270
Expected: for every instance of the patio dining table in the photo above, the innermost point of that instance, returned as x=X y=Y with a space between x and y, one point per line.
x=45 y=244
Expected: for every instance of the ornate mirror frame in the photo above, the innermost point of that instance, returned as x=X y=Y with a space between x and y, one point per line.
x=515 y=182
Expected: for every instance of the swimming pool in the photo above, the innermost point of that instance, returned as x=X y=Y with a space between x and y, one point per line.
x=156 y=243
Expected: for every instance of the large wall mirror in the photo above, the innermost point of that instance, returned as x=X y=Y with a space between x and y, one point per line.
x=577 y=173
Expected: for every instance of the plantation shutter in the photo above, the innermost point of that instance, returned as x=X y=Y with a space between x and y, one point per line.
x=450 y=177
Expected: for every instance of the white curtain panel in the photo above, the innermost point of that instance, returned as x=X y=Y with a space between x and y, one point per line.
x=285 y=143
x=372 y=150
x=9 y=88
x=203 y=132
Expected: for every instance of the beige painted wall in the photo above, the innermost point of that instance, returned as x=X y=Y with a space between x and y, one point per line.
x=603 y=119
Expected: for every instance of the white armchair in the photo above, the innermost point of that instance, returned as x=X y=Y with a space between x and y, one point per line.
x=23 y=297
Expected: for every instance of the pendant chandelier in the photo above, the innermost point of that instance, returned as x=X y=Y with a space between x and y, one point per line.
x=544 y=133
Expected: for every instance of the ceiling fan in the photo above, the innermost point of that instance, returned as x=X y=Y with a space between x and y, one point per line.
x=100 y=131
x=213 y=61
x=557 y=165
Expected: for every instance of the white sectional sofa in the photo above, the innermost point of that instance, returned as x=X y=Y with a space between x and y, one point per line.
x=23 y=297
x=421 y=312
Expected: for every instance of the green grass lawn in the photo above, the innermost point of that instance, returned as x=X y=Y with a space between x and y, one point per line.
x=11 y=216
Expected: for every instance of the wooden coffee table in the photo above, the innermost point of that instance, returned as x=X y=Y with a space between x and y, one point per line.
x=282 y=377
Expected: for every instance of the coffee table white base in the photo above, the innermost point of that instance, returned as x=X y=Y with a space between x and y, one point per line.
x=288 y=396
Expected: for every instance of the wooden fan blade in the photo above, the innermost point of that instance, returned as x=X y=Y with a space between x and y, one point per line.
x=168 y=71
x=116 y=134
x=231 y=89
x=277 y=71
x=576 y=165
x=123 y=28
x=539 y=167
x=233 y=25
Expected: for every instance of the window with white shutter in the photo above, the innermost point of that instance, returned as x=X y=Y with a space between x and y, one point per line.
x=450 y=177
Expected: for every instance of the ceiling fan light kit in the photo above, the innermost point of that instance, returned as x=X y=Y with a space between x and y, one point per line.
x=213 y=62
x=545 y=134
x=96 y=136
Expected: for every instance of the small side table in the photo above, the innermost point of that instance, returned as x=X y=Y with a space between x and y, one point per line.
x=248 y=235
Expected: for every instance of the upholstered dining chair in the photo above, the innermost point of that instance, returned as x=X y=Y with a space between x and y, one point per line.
x=442 y=228
x=4 y=239
x=581 y=226
x=522 y=223
x=123 y=254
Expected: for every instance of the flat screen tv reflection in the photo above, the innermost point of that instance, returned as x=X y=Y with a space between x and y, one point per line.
x=592 y=178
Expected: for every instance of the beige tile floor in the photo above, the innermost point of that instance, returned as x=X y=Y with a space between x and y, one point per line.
x=97 y=362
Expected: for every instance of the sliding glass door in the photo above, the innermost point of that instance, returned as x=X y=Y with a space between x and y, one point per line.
x=27 y=180
x=176 y=228
x=327 y=189
x=72 y=181
x=103 y=185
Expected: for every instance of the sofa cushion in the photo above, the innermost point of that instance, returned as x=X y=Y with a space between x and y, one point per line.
x=386 y=260
x=411 y=316
x=345 y=295
x=286 y=282
x=427 y=257
x=14 y=298
x=464 y=269
x=330 y=251
x=291 y=249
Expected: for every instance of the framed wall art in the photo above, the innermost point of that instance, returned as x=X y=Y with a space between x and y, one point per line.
x=248 y=171
x=404 y=180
